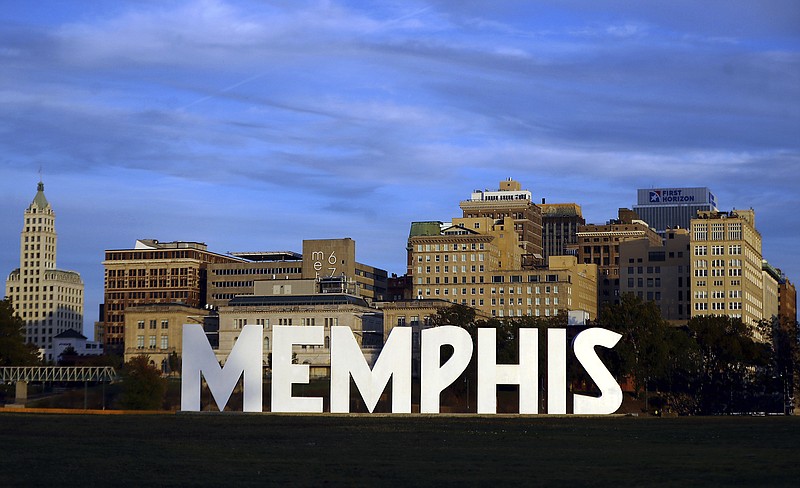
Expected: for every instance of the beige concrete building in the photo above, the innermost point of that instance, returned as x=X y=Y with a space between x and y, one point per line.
x=509 y=201
x=474 y=262
x=321 y=258
x=312 y=302
x=153 y=272
x=599 y=245
x=726 y=265
x=560 y=223
x=156 y=330
x=49 y=300
x=659 y=273
x=771 y=278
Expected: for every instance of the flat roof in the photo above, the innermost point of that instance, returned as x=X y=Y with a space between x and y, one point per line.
x=268 y=255
x=292 y=300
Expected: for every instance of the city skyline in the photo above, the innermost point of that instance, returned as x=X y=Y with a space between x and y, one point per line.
x=223 y=121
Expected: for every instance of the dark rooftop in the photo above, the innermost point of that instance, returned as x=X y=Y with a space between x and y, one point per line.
x=297 y=300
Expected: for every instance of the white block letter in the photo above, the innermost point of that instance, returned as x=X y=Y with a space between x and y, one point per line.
x=491 y=374
x=610 y=392
x=245 y=359
x=394 y=361
x=284 y=373
x=436 y=378
x=557 y=371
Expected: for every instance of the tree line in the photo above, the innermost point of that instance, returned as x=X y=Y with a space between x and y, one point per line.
x=710 y=365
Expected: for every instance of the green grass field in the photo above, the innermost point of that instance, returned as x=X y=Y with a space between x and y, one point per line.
x=369 y=450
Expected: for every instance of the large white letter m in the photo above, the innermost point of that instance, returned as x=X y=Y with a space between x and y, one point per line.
x=245 y=359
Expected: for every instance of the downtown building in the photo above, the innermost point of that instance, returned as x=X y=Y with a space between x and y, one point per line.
x=326 y=301
x=153 y=272
x=48 y=300
x=560 y=223
x=727 y=268
x=599 y=244
x=321 y=258
x=153 y=289
x=671 y=208
x=510 y=201
x=487 y=260
x=660 y=273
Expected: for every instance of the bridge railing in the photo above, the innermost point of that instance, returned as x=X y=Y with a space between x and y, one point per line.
x=57 y=373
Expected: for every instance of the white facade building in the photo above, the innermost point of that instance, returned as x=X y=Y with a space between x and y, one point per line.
x=49 y=300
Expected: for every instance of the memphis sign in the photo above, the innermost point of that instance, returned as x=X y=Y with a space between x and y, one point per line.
x=394 y=362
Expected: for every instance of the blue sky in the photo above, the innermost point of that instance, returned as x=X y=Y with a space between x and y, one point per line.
x=252 y=125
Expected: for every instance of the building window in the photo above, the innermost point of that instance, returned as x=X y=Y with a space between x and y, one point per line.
x=152 y=342
x=140 y=326
x=735 y=231
x=164 y=341
x=717 y=231
x=139 y=342
x=165 y=324
x=700 y=232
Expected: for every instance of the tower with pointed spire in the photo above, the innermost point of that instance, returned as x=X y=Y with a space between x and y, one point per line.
x=49 y=300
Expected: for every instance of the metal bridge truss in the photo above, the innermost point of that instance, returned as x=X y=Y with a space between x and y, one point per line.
x=57 y=373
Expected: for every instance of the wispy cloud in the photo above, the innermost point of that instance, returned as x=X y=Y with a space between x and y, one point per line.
x=325 y=117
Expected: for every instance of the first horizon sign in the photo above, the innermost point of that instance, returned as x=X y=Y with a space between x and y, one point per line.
x=394 y=363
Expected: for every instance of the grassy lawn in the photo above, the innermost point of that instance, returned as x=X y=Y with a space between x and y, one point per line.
x=368 y=450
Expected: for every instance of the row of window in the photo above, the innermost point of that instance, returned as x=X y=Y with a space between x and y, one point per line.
x=717 y=306
x=537 y=300
x=640 y=282
x=153 y=324
x=152 y=342
x=450 y=247
x=257 y=271
x=142 y=272
x=640 y=269
x=59 y=289
x=151 y=283
x=702 y=283
x=717 y=272
x=239 y=323
x=437 y=258
x=718 y=263
x=718 y=294
x=547 y=312
x=717 y=231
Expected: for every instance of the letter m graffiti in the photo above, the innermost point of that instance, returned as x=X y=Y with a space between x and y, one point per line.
x=198 y=359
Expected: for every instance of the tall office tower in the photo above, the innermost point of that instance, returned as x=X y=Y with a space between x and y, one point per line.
x=670 y=208
x=726 y=265
x=659 y=273
x=599 y=244
x=513 y=202
x=560 y=222
x=153 y=272
x=49 y=300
